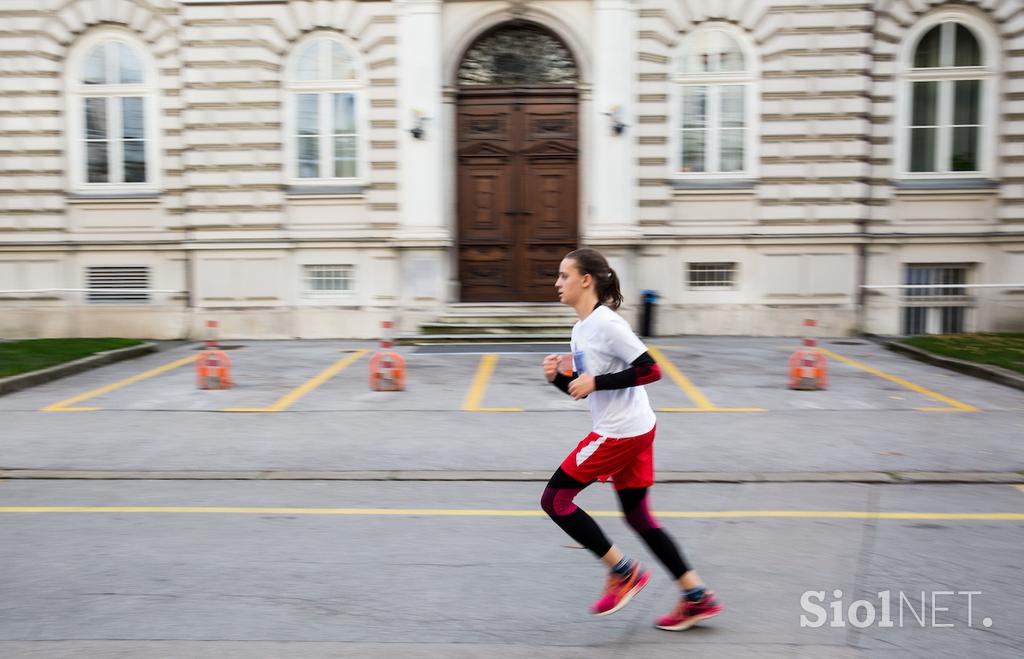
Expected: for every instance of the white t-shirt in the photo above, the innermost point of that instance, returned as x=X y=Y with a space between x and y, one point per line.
x=604 y=343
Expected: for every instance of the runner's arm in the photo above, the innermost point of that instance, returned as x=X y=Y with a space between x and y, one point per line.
x=562 y=380
x=644 y=370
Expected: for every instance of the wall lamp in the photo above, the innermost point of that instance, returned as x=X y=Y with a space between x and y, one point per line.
x=419 y=121
x=614 y=115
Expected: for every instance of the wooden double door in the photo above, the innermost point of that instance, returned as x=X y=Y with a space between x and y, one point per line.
x=518 y=193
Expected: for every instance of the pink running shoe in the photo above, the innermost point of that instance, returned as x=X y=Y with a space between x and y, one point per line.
x=618 y=591
x=687 y=614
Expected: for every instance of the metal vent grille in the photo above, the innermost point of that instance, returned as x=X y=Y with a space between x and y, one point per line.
x=117 y=283
x=711 y=275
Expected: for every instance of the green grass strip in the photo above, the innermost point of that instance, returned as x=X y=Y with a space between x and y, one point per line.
x=33 y=354
x=998 y=349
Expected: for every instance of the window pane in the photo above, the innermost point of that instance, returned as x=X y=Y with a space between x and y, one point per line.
x=345 y=156
x=309 y=157
x=95 y=118
x=131 y=114
x=953 y=275
x=129 y=67
x=732 y=106
x=922 y=149
x=98 y=166
x=952 y=320
x=96 y=66
x=968 y=52
x=914 y=320
x=694 y=107
x=925 y=104
x=308 y=121
x=309 y=62
x=732 y=60
x=966 y=101
x=341 y=64
x=697 y=57
x=693 y=151
x=344 y=113
x=732 y=150
x=691 y=61
x=730 y=56
x=929 y=48
x=965 y=149
x=329 y=278
x=134 y=161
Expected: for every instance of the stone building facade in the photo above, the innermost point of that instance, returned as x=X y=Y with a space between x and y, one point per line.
x=308 y=168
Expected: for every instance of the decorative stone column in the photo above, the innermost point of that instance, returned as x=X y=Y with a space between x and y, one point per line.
x=613 y=171
x=422 y=138
x=425 y=239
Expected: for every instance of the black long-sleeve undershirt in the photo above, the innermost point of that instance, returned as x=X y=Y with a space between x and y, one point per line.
x=643 y=370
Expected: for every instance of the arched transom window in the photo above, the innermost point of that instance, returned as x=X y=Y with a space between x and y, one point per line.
x=518 y=54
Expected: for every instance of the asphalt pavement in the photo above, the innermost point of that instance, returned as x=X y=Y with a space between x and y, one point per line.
x=301 y=514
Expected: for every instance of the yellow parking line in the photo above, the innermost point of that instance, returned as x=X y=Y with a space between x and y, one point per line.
x=289 y=399
x=681 y=380
x=711 y=409
x=483 y=512
x=953 y=404
x=1020 y=487
x=479 y=386
x=63 y=406
x=703 y=404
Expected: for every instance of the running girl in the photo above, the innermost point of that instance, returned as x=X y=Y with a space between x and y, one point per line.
x=610 y=365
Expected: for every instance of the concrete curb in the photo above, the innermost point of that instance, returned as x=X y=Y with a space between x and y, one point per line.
x=33 y=378
x=993 y=373
x=874 y=477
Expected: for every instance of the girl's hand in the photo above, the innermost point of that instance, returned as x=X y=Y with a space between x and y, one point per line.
x=581 y=387
x=550 y=367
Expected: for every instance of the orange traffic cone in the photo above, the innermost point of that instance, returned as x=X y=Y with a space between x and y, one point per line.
x=387 y=368
x=213 y=368
x=808 y=369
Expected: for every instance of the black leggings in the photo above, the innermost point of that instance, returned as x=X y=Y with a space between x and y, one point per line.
x=557 y=502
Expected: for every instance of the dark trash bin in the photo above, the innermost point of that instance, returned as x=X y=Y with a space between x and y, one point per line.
x=650 y=300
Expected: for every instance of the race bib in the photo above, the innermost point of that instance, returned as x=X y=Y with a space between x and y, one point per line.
x=579 y=361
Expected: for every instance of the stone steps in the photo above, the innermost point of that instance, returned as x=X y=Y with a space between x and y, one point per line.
x=496 y=322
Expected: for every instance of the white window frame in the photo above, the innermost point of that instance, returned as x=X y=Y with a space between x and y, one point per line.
x=747 y=79
x=987 y=73
x=324 y=88
x=940 y=298
x=309 y=292
x=78 y=91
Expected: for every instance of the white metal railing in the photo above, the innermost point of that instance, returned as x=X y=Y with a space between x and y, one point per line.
x=942 y=308
x=91 y=296
x=87 y=290
x=883 y=286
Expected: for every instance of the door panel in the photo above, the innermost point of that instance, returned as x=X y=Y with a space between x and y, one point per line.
x=518 y=192
x=485 y=195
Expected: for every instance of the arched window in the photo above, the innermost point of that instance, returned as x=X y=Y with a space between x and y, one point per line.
x=950 y=83
x=112 y=117
x=325 y=113
x=517 y=54
x=714 y=134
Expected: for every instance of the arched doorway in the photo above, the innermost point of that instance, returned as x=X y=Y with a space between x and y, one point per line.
x=517 y=147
